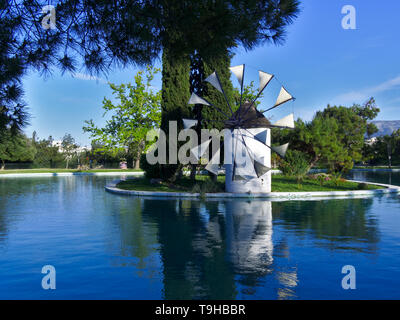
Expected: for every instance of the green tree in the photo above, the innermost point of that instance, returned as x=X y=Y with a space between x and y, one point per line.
x=15 y=148
x=335 y=136
x=319 y=140
x=69 y=147
x=47 y=155
x=137 y=112
x=368 y=111
x=351 y=129
x=250 y=92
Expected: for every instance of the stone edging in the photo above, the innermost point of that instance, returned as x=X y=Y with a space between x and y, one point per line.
x=68 y=174
x=271 y=195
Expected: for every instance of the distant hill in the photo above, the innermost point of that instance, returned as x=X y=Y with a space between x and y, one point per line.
x=386 y=127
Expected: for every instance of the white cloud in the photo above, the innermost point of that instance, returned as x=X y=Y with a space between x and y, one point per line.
x=364 y=94
x=84 y=76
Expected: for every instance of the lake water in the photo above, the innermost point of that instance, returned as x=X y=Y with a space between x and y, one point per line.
x=106 y=246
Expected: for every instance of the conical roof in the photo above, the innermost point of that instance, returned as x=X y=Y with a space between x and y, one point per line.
x=249 y=117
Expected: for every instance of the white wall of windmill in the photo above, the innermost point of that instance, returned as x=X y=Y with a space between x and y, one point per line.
x=249 y=247
x=261 y=153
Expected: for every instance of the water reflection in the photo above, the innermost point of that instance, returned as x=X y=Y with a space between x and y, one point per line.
x=338 y=224
x=204 y=246
x=222 y=249
x=186 y=249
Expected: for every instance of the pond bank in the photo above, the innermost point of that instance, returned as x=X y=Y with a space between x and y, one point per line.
x=112 y=187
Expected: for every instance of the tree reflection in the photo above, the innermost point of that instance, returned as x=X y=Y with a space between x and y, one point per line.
x=341 y=224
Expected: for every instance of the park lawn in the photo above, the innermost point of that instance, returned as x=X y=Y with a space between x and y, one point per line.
x=280 y=183
x=9 y=171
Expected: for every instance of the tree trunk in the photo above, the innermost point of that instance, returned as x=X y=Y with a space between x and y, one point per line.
x=313 y=162
x=3 y=164
x=193 y=172
x=137 y=164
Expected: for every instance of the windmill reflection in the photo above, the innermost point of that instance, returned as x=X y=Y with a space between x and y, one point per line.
x=215 y=249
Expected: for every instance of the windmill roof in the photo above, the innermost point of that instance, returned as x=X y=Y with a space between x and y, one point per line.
x=251 y=117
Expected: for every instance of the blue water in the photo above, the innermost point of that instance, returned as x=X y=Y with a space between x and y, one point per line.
x=106 y=246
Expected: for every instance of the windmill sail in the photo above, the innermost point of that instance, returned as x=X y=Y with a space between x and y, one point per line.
x=238 y=71
x=265 y=78
x=283 y=97
x=286 y=122
x=261 y=136
x=238 y=177
x=213 y=164
x=195 y=99
x=214 y=81
x=281 y=150
x=188 y=123
x=199 y=150
x=260 y=169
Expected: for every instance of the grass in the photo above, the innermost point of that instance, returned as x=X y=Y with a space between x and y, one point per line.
x=376 y=167
x=8 y=171
x=182 y=185
x=280 y=183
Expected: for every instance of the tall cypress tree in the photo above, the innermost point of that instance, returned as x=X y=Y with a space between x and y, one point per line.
x=219 y=63
x=175 y=89
x=175 y=97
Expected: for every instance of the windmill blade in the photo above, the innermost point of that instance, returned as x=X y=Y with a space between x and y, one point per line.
x=195 y=99
x=213 y=164
x=214 y=81
x=261 y=136
x=260 y=169
x=281 y=150
x=241 y=171
x=251 y=157
x=238 y=177
x=259 y=150
x=286 y=122
x=283 y=97
x=265 y=78
x=189 y=123
x=238 y=71
x=199 y=150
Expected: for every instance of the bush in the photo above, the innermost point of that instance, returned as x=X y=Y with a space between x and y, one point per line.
x=166 y=172
x=362 y=186
x=150 y=170
x=295 y=164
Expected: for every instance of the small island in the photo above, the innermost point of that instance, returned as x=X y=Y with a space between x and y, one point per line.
x=280 y=183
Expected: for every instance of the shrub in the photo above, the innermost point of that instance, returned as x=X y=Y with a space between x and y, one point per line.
x=295 y=164
x=166 y=172
x=362 y=186
x=337 y=178
x=150 y=170
x=207 y=186
x=321 y=179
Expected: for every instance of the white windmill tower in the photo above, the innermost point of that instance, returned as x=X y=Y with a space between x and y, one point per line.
x=248 y=139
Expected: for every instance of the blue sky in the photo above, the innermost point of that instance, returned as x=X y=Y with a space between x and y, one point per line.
x=320 y=63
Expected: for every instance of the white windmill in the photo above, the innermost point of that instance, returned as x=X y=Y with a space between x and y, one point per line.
x=248 y=165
